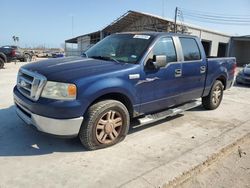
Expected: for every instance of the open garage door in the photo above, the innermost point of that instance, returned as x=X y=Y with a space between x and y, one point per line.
x=222 y=50
x=240 y=48
x=207 y=46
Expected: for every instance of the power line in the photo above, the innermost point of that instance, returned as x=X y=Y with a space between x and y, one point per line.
x=211 y=18
x=217 y=22
x=218 y=19
x=214 y=14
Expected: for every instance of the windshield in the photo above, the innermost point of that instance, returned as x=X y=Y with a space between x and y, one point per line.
x=127 y=48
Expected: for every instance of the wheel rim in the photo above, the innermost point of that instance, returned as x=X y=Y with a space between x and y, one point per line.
x=27 y=58
x=217 y=93
x=109 y=127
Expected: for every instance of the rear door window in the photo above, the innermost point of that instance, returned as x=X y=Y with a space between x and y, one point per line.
x=190 y=49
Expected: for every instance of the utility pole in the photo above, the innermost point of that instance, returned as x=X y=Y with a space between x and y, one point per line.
x=72 y=25
x=175 y=19
x=163 y=9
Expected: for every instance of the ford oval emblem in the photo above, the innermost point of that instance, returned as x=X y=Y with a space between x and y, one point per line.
x=23 y=83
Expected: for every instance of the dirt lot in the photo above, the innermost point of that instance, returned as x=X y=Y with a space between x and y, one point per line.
x=167 y=148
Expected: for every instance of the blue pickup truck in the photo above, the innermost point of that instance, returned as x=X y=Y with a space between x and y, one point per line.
x=144 y=76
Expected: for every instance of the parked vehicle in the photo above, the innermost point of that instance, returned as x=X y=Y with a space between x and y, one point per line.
x=57 y=54
x=47 y=54
x=15 y=53
x=3 y=59
x=243 y=77
x=143 y=76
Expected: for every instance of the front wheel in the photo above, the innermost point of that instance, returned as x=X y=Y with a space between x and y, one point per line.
x=105 y=124
x=27 y=58
x=213 y=100
x=1 y=63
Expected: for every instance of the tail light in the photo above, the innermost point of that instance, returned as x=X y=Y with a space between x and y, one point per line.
x=13 y=53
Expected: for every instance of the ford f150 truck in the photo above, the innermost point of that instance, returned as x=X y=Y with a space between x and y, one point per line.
x=144 y=76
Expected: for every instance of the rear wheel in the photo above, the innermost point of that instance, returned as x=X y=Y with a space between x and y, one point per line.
x=213 y=100
x=106 y=123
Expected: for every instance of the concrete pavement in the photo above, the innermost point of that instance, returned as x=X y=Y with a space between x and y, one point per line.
x=229 y=171
x=154 y=155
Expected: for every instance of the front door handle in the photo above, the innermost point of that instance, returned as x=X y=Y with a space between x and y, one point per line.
x=203 y=69
x=178 y=72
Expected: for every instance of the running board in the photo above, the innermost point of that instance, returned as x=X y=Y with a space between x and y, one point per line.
x=168 y=113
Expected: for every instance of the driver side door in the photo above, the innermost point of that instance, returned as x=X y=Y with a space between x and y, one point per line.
x=160 y=88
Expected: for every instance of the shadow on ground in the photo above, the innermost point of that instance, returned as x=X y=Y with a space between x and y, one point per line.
x=19 y=139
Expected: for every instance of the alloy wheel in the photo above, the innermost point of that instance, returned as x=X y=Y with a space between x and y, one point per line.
x=109 y=127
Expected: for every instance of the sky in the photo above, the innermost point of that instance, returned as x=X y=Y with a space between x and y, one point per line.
x=49 y=22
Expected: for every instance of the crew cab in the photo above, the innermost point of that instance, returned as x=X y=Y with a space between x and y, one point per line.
x=144 y=76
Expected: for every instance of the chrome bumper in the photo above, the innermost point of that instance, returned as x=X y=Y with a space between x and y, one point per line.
x=59 y=127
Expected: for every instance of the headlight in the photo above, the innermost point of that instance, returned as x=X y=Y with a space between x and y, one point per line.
x=60 y=91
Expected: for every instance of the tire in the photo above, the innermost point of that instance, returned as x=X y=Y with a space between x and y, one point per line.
x=213 y=100
x=1 y=63
x=3 y=57
x=105 y=124
x=27 y=58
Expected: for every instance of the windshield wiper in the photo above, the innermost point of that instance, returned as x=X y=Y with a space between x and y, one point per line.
x=106 y=58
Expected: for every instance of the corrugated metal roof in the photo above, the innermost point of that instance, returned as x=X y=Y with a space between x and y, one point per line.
x=74 y=40
x=132 y=16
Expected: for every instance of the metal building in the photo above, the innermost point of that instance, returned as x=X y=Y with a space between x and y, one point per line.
x=215 y=43
x=240 y=48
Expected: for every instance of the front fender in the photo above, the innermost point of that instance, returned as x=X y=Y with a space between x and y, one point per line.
x=88 y=93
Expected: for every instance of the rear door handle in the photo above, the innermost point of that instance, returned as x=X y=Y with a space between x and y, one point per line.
x=203 y=69
x=178 y=72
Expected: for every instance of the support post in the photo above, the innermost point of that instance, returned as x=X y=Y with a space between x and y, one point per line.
x=175 y=19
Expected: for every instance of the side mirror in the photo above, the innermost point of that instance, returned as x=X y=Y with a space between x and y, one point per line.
x=84 y=55
x=159 y=61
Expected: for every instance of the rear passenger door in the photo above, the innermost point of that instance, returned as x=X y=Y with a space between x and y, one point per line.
x=193 y=68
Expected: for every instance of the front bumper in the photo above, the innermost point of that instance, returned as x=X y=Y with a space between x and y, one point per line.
x=59 y=127
x=243 y=80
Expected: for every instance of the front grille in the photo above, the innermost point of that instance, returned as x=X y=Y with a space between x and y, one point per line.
x=30 y=84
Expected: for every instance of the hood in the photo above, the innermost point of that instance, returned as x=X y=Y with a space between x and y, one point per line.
x=246 y=70
x=70 y=68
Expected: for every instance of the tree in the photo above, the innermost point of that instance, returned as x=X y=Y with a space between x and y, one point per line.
x=15 y=38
